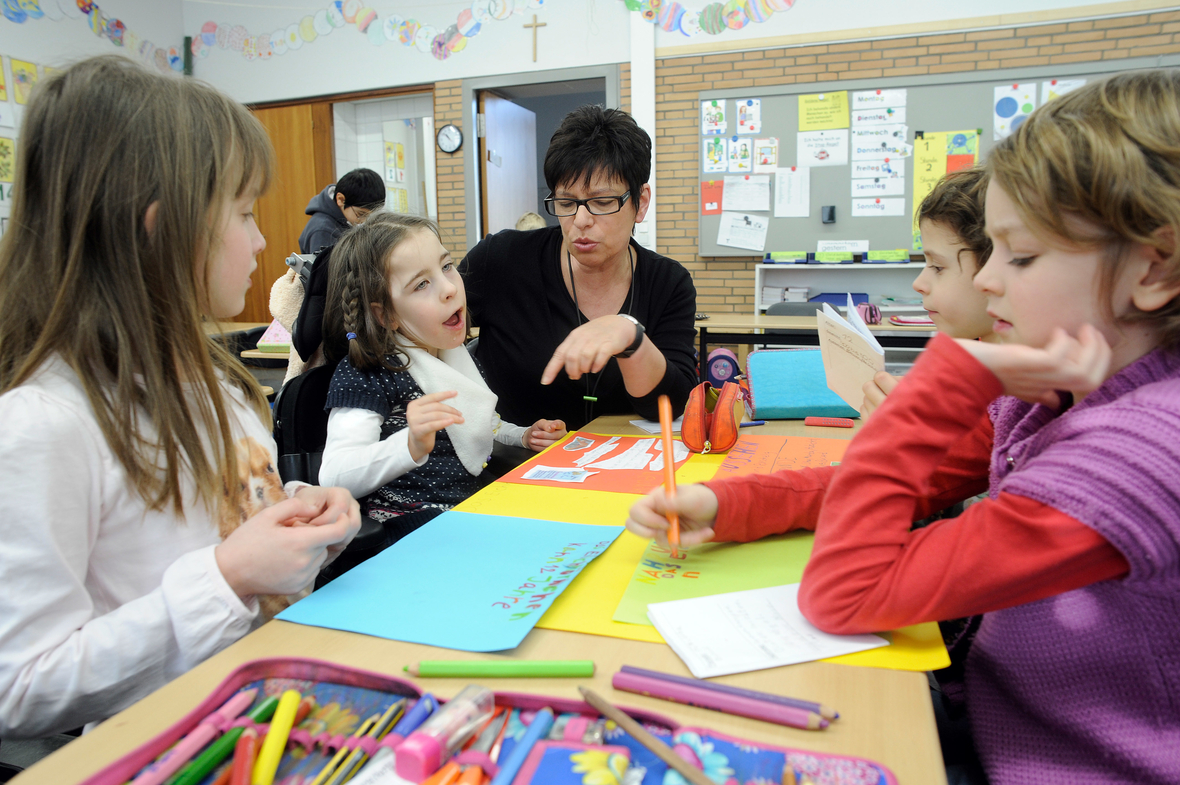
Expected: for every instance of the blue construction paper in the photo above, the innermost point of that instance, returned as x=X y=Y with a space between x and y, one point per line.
x=463 y=581
x=790 y=384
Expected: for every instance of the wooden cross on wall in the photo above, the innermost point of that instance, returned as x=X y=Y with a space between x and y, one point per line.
x=534 y=26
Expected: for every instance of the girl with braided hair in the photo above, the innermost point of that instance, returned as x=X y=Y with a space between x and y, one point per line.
x=411 y=420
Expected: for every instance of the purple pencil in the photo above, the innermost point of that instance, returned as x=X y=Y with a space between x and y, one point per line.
x=827 y=712
x=719 y=701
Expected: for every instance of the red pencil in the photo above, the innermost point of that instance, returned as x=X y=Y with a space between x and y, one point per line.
x=665 y=406
x=244 y=752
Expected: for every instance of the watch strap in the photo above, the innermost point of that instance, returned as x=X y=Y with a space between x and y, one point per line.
x=635 y=344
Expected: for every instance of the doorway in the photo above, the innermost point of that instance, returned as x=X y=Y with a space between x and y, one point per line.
x=507 y=176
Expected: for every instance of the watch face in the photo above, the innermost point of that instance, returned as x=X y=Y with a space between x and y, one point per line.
x=450 y=138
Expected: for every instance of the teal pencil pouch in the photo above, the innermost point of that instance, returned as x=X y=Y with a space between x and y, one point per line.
x=790 y=384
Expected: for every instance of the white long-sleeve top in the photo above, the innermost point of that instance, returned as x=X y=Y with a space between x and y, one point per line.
x=102 y=600
x=355 y=456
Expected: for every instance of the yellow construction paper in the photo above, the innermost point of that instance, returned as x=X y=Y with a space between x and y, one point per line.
x=823 y=111
x=589 y=602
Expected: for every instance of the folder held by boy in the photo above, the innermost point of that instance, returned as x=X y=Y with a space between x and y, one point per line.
x=850 y=353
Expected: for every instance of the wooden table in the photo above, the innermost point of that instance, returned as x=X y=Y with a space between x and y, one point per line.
x=885 y=715
x=212 y=328
x=744 y=328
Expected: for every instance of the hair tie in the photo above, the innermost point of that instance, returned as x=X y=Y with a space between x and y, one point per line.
x=350 y=336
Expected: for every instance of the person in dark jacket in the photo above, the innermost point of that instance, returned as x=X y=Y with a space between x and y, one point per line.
x=333 y=209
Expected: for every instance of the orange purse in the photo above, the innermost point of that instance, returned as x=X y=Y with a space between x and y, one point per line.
x=711 y=417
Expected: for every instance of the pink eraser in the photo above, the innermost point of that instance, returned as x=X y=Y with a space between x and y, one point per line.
x=418 y=757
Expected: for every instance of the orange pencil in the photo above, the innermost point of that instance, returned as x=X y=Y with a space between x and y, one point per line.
x=669 y=473
x=244 y=754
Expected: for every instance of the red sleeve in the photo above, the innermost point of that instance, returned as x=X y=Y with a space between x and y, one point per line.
x=758 y=505
x=868 y=571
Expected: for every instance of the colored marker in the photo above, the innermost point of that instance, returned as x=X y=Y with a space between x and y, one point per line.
x=205 y=732
x=665 y=406
x=751 y=423
x=326 y=772
x=423 y=708
x=538 y=728
x=276 y=738
x=826 y=712
x=491 y=669
x=204 y=764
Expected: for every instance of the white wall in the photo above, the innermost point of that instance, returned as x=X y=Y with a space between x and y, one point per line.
x=576 y=33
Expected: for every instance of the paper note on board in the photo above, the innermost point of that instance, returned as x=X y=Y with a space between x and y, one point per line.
x=713 y=116
x=877 y=207
x=792 y=192
x=741 y=155
x=715 y=154
x=880 y=141
x=711 y=193
x=748 y=631
x=878 y=99
x=862 y=117
x=850 y=353
x=822 y=148
x=749 y=115
x=765 y=156
x=1012 y=104
x=751 y=192
x=742 y=230
x=839 y=246
x=1056 y=88
x=483 y=596
x=929 y=167
x=878 y=186
x=823 y=111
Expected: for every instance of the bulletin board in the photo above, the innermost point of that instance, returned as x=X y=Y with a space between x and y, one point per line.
x=951 y=118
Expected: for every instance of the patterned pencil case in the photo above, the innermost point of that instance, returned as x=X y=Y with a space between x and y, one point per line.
x=344 y=697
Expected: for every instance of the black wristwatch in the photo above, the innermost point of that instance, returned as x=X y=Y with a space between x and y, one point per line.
x=634 y=347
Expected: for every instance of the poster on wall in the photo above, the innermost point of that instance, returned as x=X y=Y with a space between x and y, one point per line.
x=1011 y=106
x=24 y=77
x=713 y=116
x=398 y=200
x=929 y=167
x=7 y=159
x=765 y=156
x=1056 y=88
x=823 y=111
x=749 y=116
x=3 y=84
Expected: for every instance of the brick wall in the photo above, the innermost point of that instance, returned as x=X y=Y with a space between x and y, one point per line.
x=452 y=203
x=726 y=284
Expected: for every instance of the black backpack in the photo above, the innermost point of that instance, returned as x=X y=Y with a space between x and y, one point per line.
x=301 y=424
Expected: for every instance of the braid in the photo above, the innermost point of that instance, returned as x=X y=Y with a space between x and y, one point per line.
x=352 y=296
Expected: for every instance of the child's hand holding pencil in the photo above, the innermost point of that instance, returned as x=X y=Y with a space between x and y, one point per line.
x=696 y=506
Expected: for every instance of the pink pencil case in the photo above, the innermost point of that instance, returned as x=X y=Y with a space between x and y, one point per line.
x=350 y=693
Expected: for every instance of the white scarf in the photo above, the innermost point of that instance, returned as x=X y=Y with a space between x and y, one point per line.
x=454 y=369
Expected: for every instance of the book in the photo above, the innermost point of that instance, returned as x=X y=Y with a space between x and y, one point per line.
x=275 y=339
x=851 y=355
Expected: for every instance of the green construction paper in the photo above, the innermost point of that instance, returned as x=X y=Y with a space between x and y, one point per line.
x=834 y=256
x=788 y=255
x=897 y=255
x=713 y=568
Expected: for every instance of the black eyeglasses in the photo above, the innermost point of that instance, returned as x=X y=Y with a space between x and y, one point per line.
x=599 y=205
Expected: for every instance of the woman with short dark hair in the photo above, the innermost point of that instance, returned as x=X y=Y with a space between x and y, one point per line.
x=579 y=320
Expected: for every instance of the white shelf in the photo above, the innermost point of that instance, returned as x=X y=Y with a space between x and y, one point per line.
x=837 y=266
x=877 y=280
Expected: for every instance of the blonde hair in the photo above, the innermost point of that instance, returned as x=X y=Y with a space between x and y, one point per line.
x=1100 y=166
x=83 y=279
x=530 y=221
x=358 y=277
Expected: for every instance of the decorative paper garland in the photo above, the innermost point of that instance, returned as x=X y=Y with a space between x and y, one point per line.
x=713 y=19
x=353 y=13
x=19 y=11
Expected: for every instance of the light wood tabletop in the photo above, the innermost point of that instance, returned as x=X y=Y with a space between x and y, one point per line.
x=885 y=715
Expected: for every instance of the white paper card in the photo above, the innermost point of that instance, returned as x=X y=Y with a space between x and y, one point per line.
x=1011 y=106
x=878 y=116
x=879 y=186
x=715 y=154
x=880 y=141
x=653 y=426
x=850 y=353
x=749 y=115
x=878 y=99
x=713 y=116
x=877 y=167
x=839 y=246
x=877 y=208
x=742 y=230
x=746 y=631
x=741 y=155
x=792 y=192
x=765 y=156
x=751 y=192
x=1055 y=88
x=822 y=148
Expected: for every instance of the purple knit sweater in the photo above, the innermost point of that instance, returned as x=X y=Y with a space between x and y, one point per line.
x=1084 y=687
